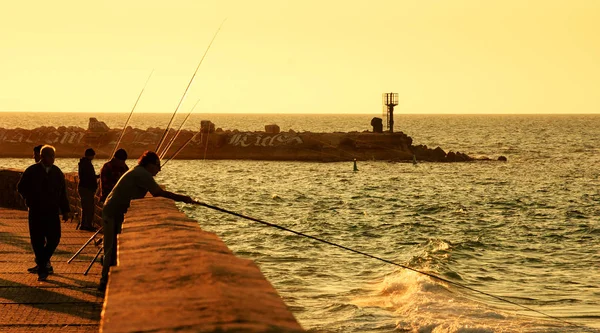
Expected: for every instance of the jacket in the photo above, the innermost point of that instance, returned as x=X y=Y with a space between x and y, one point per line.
x=44 y=192
x=110 y=173
x=87 y=174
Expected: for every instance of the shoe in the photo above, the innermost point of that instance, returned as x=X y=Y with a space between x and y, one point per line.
x=34 y=269
x=42 y=276
x=86 y=228
x=102 y=287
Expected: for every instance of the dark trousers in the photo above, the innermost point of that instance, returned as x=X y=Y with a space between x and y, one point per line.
x=111 y=226
x=44 y=232
x=87 y=206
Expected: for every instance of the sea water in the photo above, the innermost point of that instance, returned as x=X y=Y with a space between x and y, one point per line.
x=526 y=230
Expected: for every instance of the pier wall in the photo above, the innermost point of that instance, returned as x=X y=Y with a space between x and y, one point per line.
x=174 y=277
x=9 y=197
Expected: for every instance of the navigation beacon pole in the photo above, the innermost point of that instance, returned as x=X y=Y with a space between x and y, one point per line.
x=390 y=100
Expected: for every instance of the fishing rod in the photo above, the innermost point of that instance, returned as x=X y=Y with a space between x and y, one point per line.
x=168 y=146
x=130 y=114
x=199 y=203
x=110 y=157
x=186 y=90
x=188 y=141
x=181 y=148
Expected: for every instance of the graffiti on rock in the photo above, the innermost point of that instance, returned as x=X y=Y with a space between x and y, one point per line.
x=52 y=137
x=261 y=140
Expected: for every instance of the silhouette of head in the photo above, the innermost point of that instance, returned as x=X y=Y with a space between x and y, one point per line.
x=121 y=154
x=47 y=155
x=150 y=161
x=36 y=153
x=90 y=153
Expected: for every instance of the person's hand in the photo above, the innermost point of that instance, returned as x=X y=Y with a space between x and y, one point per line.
x=66 y=216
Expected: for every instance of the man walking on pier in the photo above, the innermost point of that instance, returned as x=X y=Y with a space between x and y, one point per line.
x=42 y=185
x=134 y=184
x=88 y=184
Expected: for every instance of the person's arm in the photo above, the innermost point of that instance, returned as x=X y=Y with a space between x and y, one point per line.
x=159 y=192
x=104 y=182
x=147 y=182
x=24 y=185
x=64 y=200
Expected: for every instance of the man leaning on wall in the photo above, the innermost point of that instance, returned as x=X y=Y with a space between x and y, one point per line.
x=134 y=184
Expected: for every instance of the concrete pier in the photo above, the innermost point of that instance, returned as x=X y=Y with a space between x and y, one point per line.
x=171 y=277
x=67 y=302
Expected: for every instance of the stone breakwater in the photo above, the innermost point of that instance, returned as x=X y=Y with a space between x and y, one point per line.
x=211 y=143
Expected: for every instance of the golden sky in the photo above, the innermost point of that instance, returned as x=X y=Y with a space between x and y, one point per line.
x=309 y=56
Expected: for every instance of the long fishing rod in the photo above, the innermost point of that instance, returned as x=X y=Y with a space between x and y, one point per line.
x=186 y=90
x=168 y=146
x=199 y=203
x=110 y=157
x=186 y=143
x=130 y=114
x=181 y=148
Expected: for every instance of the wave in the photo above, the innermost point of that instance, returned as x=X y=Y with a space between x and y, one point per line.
x=423 y=305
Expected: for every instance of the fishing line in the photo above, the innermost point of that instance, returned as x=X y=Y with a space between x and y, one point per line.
x=199 y=203
x=186 y=89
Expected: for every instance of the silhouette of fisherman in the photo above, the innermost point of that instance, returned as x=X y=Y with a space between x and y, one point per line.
x=42 y=185
x=88 y=185
x=134 y=184
x=111 y=171
x=36 y=153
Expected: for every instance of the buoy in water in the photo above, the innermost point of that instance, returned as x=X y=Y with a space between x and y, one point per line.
x=355 y=167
